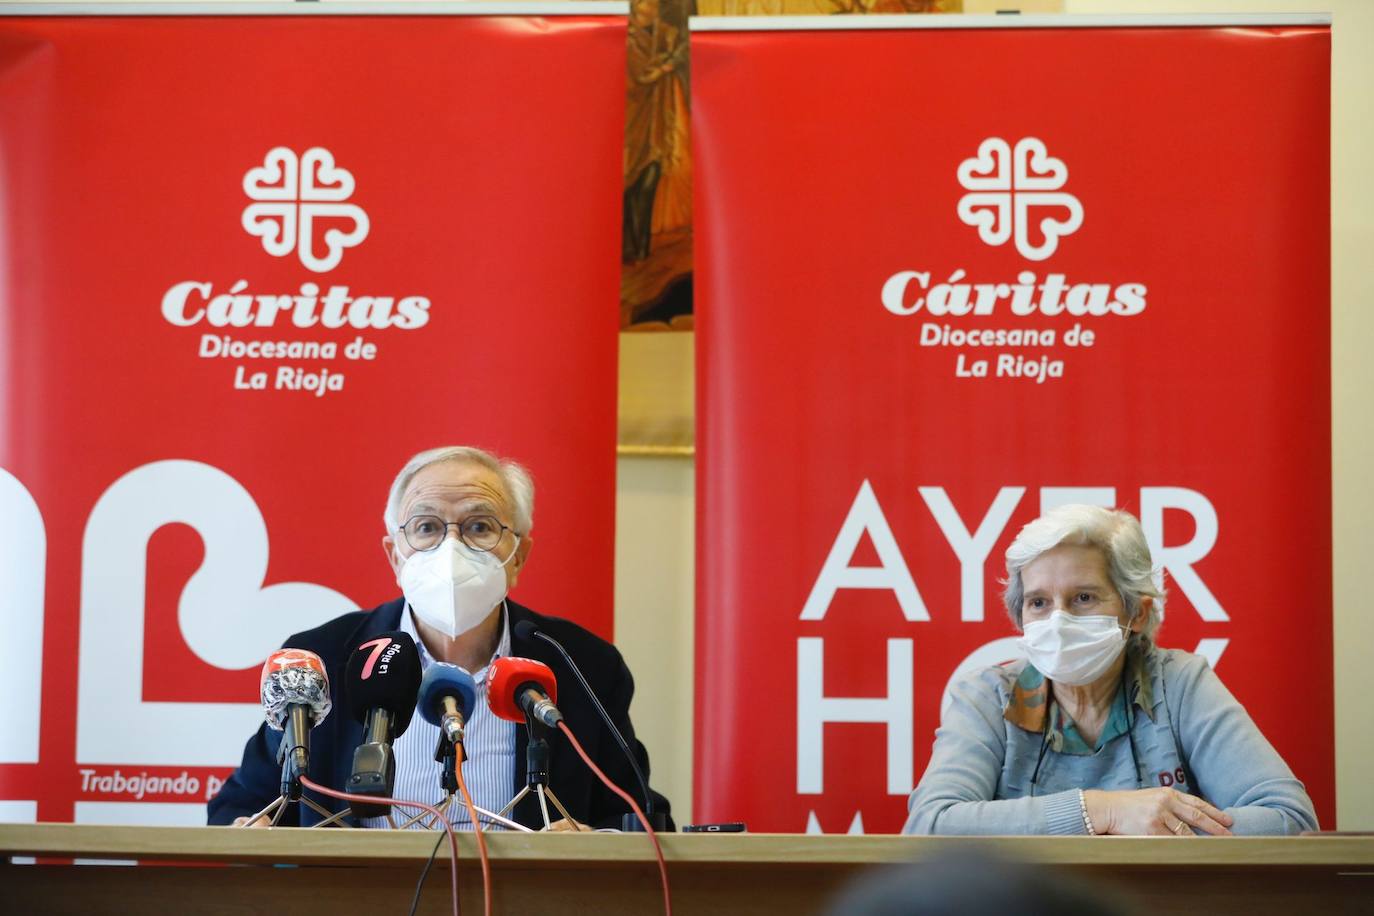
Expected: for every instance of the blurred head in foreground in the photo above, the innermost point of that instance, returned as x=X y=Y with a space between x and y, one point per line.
x=974 y=884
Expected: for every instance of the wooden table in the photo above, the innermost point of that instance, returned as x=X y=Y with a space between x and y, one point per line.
x=348 y=871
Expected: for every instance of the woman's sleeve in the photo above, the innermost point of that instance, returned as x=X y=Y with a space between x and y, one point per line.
x=1233 y=765
x=956 y=793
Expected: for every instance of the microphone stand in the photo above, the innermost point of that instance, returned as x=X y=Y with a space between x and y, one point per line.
x=294 y=755
x=447 y=755
x=537 y=774
x=628 y=823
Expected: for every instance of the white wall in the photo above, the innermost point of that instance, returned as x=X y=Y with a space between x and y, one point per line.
x=655 y=572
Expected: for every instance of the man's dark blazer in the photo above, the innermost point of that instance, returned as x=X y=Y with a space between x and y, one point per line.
x=257 y=780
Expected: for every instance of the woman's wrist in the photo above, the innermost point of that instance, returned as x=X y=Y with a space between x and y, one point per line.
x=1083 y=809
x=1095 y=817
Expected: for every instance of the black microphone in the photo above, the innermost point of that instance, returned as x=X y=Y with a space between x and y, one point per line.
x=527 y=630
x=380 y=685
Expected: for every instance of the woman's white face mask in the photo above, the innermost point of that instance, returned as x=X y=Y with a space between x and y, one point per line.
x=453 y=588
x=1073 y=649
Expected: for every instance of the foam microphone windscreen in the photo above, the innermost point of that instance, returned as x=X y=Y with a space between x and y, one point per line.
x=292 y=677
x=444 y=680
x=505 y=676
x=384 y=673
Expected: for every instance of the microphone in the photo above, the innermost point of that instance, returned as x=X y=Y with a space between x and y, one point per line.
x=526 y=630
x=295 y=698
x=447 y=695
x=380 y=682
x=520 y=686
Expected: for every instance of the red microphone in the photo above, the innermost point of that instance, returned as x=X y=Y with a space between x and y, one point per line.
x=516 y=686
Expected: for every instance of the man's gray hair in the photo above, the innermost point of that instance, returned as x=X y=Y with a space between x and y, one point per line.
x=517 y=481
x=1113 y=531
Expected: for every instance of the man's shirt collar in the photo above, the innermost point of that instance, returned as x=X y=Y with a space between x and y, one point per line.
x=502 y=645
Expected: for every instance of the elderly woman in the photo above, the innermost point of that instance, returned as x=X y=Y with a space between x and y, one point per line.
x=1076 y=738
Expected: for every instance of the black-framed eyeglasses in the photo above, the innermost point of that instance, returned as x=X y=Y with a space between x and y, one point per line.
x=479 y=532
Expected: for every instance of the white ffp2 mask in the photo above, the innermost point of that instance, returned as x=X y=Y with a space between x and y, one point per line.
x=1073 y=650
x=452 y=587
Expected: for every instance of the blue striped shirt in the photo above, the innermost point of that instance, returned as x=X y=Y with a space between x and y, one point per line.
x=489 y=770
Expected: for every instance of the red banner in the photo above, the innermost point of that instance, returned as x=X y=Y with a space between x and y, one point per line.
x=949 y=278
x=248 y=266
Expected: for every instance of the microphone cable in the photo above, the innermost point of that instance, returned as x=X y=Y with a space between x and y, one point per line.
x=526 y=629
x=424 y=873
x=639 y=812
x=374 y=799
x=481 y=840
x=481 y=852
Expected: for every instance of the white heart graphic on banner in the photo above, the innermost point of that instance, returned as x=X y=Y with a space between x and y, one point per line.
x=990 y=170
x=321 y=179
x=990 y=212
x=278 y=178
x=335 y=240
x=1036 y=169
x=275 y=224
x=1050 y=227
x=226 y=616
x=23 y=570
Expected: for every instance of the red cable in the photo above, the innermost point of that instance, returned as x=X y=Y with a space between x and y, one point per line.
x=374 y=799
x=481 y=840
x=653 y=837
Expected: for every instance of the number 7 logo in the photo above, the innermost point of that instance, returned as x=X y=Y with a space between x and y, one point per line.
x=377 y=646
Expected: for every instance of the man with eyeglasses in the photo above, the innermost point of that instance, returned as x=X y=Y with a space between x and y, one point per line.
x=458 y=525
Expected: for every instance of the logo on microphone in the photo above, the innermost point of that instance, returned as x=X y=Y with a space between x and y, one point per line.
x=292 y=196
x=383 y=649
x=1009 y=188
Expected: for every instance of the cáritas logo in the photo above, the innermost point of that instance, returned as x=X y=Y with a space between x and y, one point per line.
x=291 y=194
x=1009 y=187
x=1015 y=192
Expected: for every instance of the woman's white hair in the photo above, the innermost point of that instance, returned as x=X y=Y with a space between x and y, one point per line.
x=517 y=481
x=1115 y=532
